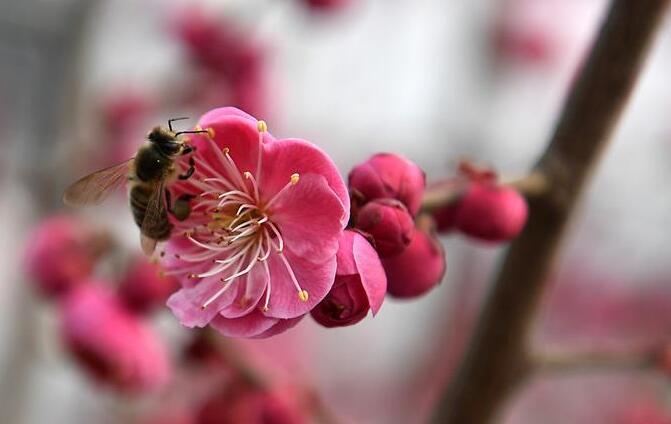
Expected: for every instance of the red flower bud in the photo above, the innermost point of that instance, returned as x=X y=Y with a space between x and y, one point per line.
x=389 y=223
x=386 y=175
x=145 y=287
x=418 y=269
x=491 y=213
x=61 y=252
x=360 y=284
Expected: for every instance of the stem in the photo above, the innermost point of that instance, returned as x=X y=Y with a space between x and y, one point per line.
x=572 y=362
x=498 y=359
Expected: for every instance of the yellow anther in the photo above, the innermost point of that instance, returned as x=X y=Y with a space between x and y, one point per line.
x=303 y=295
x=262 y=126
x=210 y=132
x=247 y=174
x=264 y=309
x=198 y=128
x=295 y=178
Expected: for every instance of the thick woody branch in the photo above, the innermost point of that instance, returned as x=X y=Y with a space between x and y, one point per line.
x=498 y=358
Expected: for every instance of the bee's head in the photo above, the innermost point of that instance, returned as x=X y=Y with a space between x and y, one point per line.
x=165 y=141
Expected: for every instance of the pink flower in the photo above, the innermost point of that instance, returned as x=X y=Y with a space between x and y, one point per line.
x=258 y=250
x=387 y=175
x=326 y=5
x=242 y=403
x=491 y=212
x=360 y=284
x=61 y=252
x=388 y=223
x=114 y=346
x=418 y=269
x=145 y=287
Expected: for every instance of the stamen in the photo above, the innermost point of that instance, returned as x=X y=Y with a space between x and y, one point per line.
x=302 y=294
x=280 y=240
x=216 y=295
x=207 y=246
x=268 y=286
x=250 y=177
x=293 y=180
x=248 y=268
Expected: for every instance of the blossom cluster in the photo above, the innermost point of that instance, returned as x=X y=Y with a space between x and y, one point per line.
x=102 y=327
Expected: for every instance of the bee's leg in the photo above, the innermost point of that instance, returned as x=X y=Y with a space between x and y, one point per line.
x=189 y=172
x=181 y=209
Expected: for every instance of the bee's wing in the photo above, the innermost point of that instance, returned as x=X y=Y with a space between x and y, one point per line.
x=154 y=219
x=94 y=188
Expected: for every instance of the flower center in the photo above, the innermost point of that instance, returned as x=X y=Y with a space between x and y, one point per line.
x=234 y=228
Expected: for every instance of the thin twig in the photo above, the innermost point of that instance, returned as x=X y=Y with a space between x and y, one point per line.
x=573 y=362
x=498 y=358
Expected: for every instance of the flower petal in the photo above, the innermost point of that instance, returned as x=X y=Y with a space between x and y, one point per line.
x=316 y=279
x=280 y=327
x=308 y=216
x=286 y=157
x=345 y=257
x=373 y=277
x=249 y=325
x=187 y=303
x=248 y=293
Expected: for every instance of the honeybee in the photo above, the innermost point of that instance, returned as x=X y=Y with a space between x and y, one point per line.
x=147 y=172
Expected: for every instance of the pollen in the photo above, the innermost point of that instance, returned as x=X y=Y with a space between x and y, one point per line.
x=295 y=178
x=210 y=132
x=262 y=126
x=303 y=295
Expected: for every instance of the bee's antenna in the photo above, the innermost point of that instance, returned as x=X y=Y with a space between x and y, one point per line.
x=171 y=120
x=191 y=132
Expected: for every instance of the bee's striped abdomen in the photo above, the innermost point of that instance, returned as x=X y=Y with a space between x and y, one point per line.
x=139 y=200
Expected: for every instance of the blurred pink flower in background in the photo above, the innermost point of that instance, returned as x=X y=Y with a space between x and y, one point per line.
x=259 y=248
x=360 y=284
x=230 y=65
x=113 y=345
x=242 y=402
x=61 y=252
x=326 y=5
x=144 y=287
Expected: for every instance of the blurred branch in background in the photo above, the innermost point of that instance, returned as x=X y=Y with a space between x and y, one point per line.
x=498 y=358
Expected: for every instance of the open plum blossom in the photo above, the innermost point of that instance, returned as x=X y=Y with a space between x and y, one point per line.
x=258 y=250
x=360 y=284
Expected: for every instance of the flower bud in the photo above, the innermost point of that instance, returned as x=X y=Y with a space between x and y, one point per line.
x=360 y=284
x=386 y=175
x=418 y=269
x=145 y=287
x=389 y=223
x=61 y=252
x=491 y=213
x=112 y=345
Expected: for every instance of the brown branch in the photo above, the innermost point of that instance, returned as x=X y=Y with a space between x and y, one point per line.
x=531 y=185
x=498 y=359
x=572 y=362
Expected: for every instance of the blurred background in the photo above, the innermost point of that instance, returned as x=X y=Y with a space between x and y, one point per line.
x=81 y=82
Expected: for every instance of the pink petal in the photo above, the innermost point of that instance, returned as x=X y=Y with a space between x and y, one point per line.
x=345 y=256
x=316 y=279
x=249 y=325
x=186 y=303
x=286 y=157
x=373 y=277
x=308 y=216
x=215 y=115
x=251 y=290
x=238 y=134
x=281 y=326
